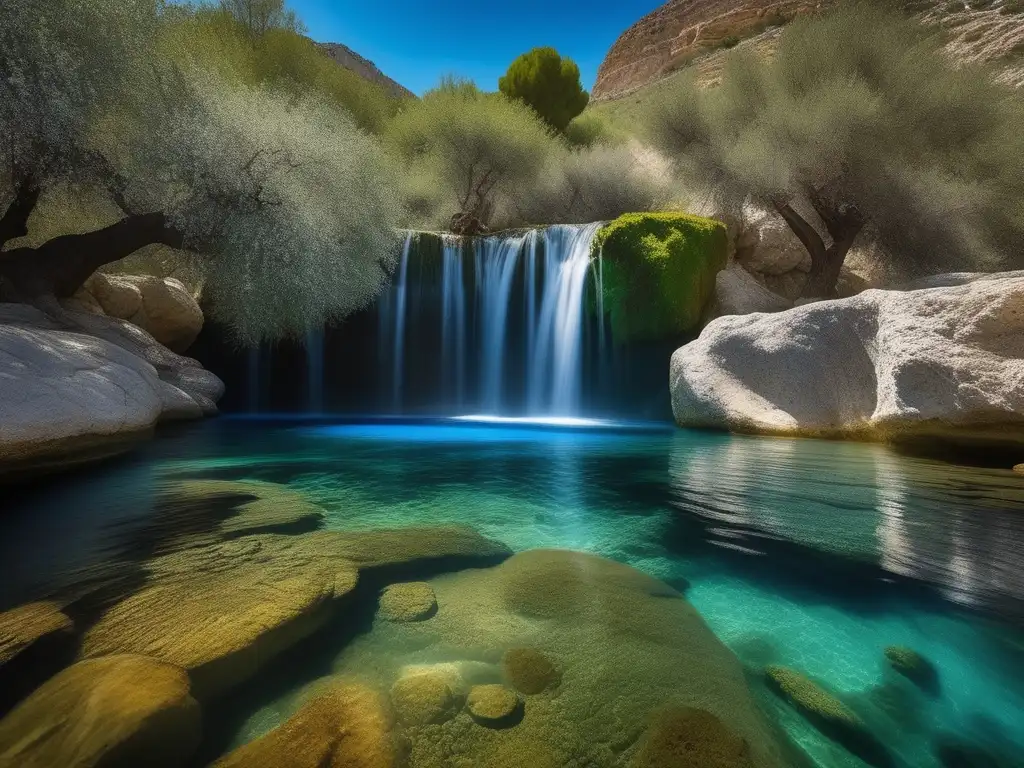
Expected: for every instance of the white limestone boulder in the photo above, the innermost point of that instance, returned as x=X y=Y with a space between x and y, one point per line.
x=887 y=365
x=86 y=388
x=737 y=292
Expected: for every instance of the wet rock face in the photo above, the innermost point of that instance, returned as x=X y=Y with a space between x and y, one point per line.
x=682 y=29
x=114 y=712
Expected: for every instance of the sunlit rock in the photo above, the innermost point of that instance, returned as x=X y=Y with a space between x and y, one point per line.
x=888 y=365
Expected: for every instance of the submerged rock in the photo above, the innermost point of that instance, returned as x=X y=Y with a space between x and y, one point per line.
x=686 y=737
x=424 y=697
x=888 y=365
x=914 y=667
x=36 y=640
x=412 y=601
x=529 y=671
x=87 y=390
x=344 y=726
x=493 y=705
x=626 y=646
x=222 y=611
x=828 y=714
x=121 y=711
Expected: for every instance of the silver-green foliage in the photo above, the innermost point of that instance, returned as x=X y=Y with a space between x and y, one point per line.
x=468 y=151
x=861 y=109
x=291 y=207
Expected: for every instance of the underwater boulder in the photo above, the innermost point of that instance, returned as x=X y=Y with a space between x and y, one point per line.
x=494 y=705
x=36 y=639
x=344 y=726
x=915 y=667
x=624 y=645
x=686 y=737
x=529 y=671
x=828 y=714
x=222 y=611
x=424 y=697
x=114 y=712
x=410 y=601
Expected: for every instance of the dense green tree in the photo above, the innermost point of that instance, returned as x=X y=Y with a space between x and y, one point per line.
x=861 y=119
x=469 y=148
x=288 y=207
x=549 y=84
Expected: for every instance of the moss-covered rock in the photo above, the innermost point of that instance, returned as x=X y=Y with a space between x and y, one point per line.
x=828 y=714
x=410 y=601
x=686 y=737
x=493 y=705
x=121 y=711
x=422 y=698
x=914 y=667
x=659 y=272
x=344 y=726
x=529 y=671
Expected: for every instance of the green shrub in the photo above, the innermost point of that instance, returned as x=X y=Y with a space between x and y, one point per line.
x=547 y=83
x=729 y=42
x=659 y=272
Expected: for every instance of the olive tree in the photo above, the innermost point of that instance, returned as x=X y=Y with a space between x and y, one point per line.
x=861 y=119
x=289 y=208
x=472 y=147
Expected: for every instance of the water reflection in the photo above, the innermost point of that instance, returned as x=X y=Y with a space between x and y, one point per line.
x=959 y=528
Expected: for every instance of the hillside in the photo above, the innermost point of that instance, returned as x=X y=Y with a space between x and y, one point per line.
x=365 y=68
x=696 y=34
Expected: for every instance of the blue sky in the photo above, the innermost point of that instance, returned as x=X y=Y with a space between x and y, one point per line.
x=417 y=41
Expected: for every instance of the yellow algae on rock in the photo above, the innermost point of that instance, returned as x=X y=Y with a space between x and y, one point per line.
x=118 y=711
x=410 y=601
x=529 y=671
x=686 y=737
x=344 y=726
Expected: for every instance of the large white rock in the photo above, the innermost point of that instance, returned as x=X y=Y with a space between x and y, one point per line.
x=737 y=292
x=886 y=365
x=87 y=387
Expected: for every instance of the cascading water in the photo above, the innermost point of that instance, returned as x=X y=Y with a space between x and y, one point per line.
x=516 y=346
x=401 y=292
x=453 y=319
x=496 y=260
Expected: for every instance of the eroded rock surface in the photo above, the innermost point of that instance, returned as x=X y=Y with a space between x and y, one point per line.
x=344 y=726
x=119 y=711
x=888 y=365
x=87 y=389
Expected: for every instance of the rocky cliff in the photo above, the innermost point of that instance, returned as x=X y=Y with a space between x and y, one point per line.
x=365 y=68
x=698 y=32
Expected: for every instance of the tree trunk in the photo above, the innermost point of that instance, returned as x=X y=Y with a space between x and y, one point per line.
x=826 y=262
x=60 y=266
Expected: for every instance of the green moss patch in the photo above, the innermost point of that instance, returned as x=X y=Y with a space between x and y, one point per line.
x=659 y=272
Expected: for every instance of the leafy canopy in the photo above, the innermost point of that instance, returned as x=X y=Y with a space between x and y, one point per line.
x=862 y=116
x=548 y=83
x=289 y=208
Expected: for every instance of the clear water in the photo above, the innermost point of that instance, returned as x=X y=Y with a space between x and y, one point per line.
x=808 y=553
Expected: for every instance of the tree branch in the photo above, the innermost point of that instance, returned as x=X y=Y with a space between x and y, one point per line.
x=14 y=222
x=60 y=266
x=807 y=234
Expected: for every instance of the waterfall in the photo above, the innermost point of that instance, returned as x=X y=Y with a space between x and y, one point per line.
x=315 y=371
x=453 y=319
x=498 y=323
x=496 y=259
x=397 y=359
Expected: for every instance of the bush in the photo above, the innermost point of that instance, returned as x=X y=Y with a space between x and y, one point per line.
x=590 y=129
x=596 y=184
x=861 y=116
x=659 y=272
x=279 y=57
x=549 y=84
x=473 y=148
